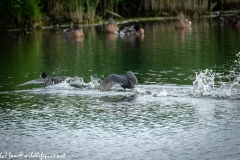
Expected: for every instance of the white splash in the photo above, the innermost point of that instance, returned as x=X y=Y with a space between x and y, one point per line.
x=77 y=82
x=70 y=84
x=148 y=91
x=209 y=83
x=160 y=94
x=141 y=91
x=204 y=83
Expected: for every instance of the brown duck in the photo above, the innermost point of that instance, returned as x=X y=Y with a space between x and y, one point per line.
x=182 y=23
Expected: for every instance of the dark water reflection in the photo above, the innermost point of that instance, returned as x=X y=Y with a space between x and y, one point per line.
x=164 y=55
x=89 y=124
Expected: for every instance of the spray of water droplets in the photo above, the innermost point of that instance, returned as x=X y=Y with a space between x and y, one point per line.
x=79 y=83
x=209 y=83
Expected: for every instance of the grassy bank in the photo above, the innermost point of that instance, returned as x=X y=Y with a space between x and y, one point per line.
x=37 y=13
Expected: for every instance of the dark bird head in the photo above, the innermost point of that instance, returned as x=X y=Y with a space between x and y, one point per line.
x=76 y=27
x=43 y=75
x=137 y=27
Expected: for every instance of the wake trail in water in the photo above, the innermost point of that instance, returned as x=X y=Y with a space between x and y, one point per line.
x=79 y=83
x=207 y=84
x=68 y=84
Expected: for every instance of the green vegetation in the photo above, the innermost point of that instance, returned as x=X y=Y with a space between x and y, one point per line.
x=21 y=12
x=34 y=13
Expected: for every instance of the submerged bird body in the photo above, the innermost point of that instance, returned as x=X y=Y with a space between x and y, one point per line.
x=182 y=23
x=231 y=19
x=234 y=21
x=237 y=23
x=74 y=32
x=128 y=80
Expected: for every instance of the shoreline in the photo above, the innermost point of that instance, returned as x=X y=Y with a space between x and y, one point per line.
x=213 y=14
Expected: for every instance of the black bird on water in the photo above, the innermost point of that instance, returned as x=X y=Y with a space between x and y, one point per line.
x=128 y=80
x=52 y=80
x=44 y=79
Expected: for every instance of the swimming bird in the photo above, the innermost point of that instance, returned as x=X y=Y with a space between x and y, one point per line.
x=74 y=32
x=111 y=26
x=134 y=30
x=182 y=23
x=44 y=79
x=236 y=24
x=230 y=19
x=52 y=80
x=234 y=21
x=128 y=80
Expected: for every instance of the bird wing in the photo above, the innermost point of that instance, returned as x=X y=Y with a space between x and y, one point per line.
x=47 y=81
x=132 y=77
x=36 y=81
x=111 y=81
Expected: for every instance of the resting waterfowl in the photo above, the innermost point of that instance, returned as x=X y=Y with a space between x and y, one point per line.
x=128 y=80
x=231 y=19
x=111 y=26
x=134 y=30
x=44 y=79
x=234 y=21
x=182 y=23
x=74 y=32
x=236 y=24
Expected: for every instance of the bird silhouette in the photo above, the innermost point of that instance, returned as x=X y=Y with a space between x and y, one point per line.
x=128 y=80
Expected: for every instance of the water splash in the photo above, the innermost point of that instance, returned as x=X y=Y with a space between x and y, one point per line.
x=204 y=83
x=69 y=84
x=156 y=92
x=79 y=83
x=209 y=83
x=160 y=94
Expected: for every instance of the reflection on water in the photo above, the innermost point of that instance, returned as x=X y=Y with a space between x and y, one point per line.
x=182 y=33
x=160 y=119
